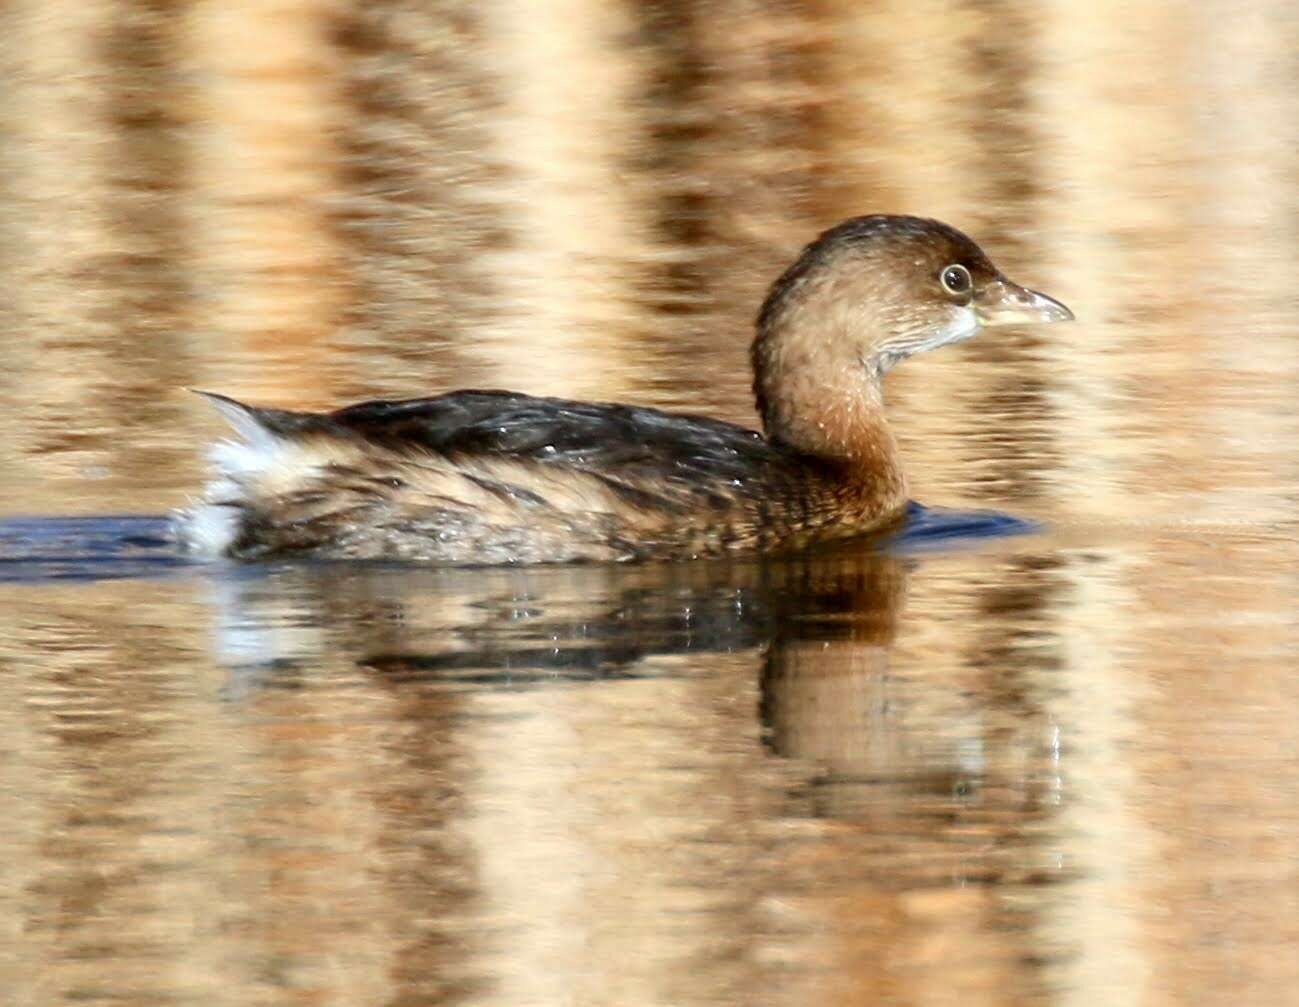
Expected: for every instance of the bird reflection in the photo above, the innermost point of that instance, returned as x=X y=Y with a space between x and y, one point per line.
x=821 y=632
x=512 y=627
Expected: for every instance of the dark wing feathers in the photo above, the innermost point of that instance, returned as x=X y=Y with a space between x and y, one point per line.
x=622 y=444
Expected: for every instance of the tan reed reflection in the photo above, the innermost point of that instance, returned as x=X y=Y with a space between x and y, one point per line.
x=561 y=136
x=1110 y=845
x=107 y=821
x=1127 y=162
x=269 y=286
x=1249 y=93
x=417 y=204
x=95 y=286
x=1210 y=783
x=170 y=852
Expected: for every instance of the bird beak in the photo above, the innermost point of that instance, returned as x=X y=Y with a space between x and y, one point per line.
x=1004 y=303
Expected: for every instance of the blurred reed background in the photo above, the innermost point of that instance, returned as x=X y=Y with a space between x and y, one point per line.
x=1063 y=772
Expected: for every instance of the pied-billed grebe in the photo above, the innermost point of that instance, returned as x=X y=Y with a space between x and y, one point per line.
x=500 y=477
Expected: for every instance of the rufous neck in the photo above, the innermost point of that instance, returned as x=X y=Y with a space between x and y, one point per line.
x=833 y=410
x=816 y=376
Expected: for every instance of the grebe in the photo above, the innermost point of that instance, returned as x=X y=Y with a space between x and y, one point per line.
x=487 y=477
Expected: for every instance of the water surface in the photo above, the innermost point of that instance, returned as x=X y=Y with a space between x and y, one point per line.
x=1053 y=768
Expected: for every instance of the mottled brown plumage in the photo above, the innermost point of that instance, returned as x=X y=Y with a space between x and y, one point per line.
x=501 y=477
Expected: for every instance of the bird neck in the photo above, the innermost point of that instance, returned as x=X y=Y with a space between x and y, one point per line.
x=816 y=397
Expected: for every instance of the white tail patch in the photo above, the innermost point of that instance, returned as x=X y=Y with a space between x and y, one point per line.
x=247 y=471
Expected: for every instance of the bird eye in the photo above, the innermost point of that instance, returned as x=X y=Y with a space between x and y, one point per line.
x=956 y=279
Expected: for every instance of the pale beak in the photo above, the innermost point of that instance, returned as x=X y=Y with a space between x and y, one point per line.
x=1004 y=303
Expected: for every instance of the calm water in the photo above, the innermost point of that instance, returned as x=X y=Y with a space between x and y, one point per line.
x=1051 y=769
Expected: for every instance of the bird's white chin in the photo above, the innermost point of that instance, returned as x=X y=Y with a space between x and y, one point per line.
x=962 y=323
